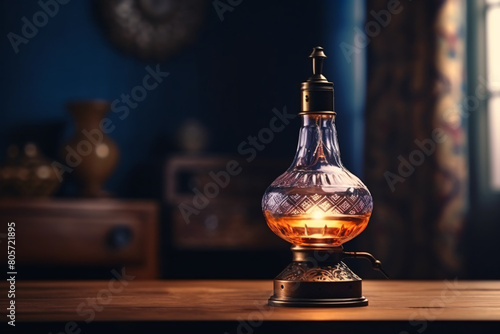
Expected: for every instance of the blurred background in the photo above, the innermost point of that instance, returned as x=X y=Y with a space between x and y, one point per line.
x=115 y=112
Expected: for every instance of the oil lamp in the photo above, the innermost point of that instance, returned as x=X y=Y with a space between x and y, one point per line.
x=318 y=205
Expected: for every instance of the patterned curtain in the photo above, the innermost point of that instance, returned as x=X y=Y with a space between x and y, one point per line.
x=415 y=164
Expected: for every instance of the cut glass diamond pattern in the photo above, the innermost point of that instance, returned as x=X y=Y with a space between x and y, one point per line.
x=306 y=204
x=298 y=204
x=325 y=205
x=315 y=197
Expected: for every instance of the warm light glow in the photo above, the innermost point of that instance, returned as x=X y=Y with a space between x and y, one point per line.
x=316 y=230
x=317 y=215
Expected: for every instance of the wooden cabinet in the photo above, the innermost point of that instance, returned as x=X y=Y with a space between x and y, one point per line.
x=215 y=202
x=85 y=233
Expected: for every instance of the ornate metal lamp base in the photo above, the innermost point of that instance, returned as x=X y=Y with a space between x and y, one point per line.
x=317 y=294
x=318 y=278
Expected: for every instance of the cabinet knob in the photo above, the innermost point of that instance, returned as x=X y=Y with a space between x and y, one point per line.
x=119 y=237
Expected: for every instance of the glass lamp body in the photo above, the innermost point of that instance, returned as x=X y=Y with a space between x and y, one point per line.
x=317 y=202
x=317 y=205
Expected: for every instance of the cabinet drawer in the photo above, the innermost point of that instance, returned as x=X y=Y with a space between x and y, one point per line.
x=84 y=232
x=76 y=241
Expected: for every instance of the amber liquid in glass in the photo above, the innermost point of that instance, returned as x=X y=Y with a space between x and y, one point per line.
x=317 y=231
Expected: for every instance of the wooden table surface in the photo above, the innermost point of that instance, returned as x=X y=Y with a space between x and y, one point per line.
x=231 y=300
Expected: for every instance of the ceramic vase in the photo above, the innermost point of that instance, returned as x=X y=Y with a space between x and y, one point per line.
x=91 y=153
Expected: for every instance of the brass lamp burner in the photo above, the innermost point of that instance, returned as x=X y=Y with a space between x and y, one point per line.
x=307 y=281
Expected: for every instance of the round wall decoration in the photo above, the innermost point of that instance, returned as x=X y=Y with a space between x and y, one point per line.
x=151 y=29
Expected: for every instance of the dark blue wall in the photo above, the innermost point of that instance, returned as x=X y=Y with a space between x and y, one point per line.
x=348 y=72
x=230 y=78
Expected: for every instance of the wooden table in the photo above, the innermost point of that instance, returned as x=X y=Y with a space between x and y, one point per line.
x=241 y=307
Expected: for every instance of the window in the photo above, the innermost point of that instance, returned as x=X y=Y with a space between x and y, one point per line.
x=492 y=24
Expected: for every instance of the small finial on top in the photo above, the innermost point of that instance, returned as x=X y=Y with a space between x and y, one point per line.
x=318 y=52
x=317 y=55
